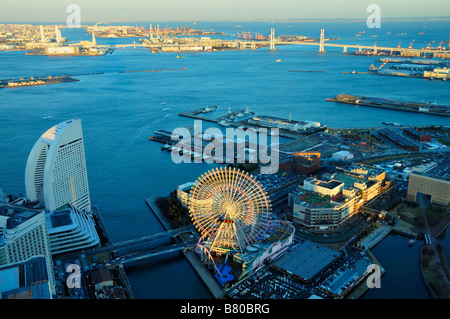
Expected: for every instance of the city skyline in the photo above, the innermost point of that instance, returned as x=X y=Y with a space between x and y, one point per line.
x=201 y=10
x=319 y=135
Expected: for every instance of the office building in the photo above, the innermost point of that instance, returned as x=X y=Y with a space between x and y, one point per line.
x=305 y=163
x=438 y=188
x=327 y=203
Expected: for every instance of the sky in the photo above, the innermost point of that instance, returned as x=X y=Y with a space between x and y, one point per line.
x=210 y=10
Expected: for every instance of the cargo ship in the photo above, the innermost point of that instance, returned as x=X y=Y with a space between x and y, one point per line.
x=32 y=81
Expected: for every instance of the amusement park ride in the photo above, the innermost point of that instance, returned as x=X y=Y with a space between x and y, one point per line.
x=232 y=212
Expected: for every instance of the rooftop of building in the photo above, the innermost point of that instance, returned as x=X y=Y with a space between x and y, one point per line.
x=440 y=171
x=276 y=120
x=362 y=169
x=332 y=184
x=28 y=279
x=414 y=131
x=307 y=259
x=314 y=200
x=54 y=132
x=101 y=275
x=396 y=137
x=62 y=220
x=14 y=215
x=186 y=186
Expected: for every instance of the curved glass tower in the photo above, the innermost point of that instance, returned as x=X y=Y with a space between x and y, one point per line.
x=56 y=172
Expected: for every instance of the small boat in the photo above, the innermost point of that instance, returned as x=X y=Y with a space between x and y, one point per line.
x=278 y=60
x=166 y=146
x=180 y=56
x=411 y=242
x=248 y=111
x=224 y=123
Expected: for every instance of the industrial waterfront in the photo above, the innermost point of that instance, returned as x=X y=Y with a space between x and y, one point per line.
x=143 y=102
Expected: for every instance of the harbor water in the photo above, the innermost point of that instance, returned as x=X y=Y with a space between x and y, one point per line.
x=119 y=111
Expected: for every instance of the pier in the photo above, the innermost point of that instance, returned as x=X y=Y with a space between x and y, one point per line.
x=424 y=108
x=32 y=81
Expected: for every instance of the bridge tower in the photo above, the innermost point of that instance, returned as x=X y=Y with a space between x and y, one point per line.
x=322 y=39
x=272 y=39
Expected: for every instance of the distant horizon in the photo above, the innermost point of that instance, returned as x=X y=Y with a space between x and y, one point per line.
x=274 y=20
x=114 y=11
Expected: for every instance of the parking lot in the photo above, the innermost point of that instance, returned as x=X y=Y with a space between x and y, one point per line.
x=268 y=284
x=333 y=281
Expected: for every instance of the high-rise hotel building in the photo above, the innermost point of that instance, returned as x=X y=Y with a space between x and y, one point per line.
x=56 y=172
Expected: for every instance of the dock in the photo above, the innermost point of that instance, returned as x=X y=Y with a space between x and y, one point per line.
x=152 y=205
x=195 y=115
x=423 y=108
x=32 y=81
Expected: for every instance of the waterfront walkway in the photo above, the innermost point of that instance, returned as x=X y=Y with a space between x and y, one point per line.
x=208 y=279
x=375 y=237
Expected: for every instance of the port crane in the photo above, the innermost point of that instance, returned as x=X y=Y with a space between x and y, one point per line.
x=372 y=67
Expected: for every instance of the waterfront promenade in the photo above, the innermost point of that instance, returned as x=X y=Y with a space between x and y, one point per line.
x=375 y=237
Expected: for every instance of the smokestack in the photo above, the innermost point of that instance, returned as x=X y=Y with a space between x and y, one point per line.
x=58 y=34
x=42 y=33
x=94 y=42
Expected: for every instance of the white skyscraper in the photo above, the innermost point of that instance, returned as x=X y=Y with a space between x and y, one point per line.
x=56 y=172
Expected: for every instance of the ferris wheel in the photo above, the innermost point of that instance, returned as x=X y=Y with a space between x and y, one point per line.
x=229 y=208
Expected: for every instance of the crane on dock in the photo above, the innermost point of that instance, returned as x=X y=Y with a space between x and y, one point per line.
x=372 y=67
